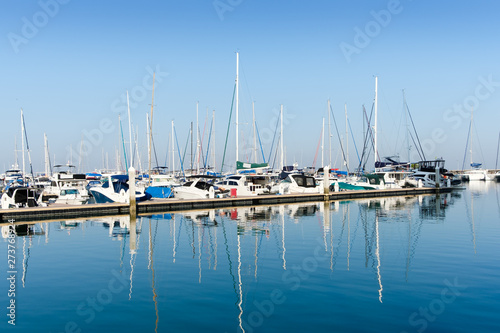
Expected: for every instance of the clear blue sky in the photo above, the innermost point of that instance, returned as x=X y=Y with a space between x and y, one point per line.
x=70 y=73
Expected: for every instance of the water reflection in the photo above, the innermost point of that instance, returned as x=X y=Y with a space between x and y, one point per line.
x=255 y=244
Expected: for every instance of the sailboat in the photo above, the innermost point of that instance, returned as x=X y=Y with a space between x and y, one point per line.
x=476 y=173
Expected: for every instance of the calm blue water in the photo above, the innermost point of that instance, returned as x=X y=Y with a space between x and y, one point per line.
x=406 y=264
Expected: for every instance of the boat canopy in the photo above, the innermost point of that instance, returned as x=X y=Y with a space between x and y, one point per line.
x=246 y=166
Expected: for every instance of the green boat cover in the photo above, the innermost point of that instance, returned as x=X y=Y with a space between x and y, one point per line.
x=244 y=165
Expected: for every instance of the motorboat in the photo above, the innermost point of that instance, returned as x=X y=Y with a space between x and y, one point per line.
x=246 y=185
x=198 y=188
x=20 y=197
x=115 y=188
x=298 y=183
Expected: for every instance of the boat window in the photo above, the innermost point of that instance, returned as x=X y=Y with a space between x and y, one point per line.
x=310 y=182
x=299 y=180
x=187 y=184
x=202 y=185
x=232 y=183
x=286 y=180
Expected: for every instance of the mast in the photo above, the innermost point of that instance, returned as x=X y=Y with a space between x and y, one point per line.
x=173 y=150
x=237 y=102
x=22 y=143
x=130 y=133
x=375 y=124
x=329 y=137
x=213 y=137
x=346 y=137
x=47 y=158
x=197 y=142
x=471 y=125
x=151 y=129
x=149 y=143
x=323 y=144
x=191 y=134
x=254 y=134
x=281 y=141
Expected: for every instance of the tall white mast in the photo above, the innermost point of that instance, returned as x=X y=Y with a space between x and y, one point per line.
x=151 y=130
x=375 y=124
x=237 y=102
x=329 y=137
x=22 y=143
x=471 y=119
x=47 y=158
x=254 y=134
x=323 y=143
x=173 y=150
x=197 y=143
x=281 y=141
x=130 y=133
x=346 y=138
x=213 y=138
x=149 y=143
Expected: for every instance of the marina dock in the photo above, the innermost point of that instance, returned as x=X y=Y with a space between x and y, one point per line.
x=54 y=212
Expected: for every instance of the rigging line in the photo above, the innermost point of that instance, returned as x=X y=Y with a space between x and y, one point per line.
x=416 y=134
x=123 y=143
x=274 y=137
x=317 y=149
x=466 y=145
x=352 y=136
x=27 y=147
x=185 y=148
x=179 y=152
x=362 y=163
x=418 y=151
x=208 y=145
x=260 y=142
x=479 y=144
x=340 y=141
x=227 y=134
x=276 y=153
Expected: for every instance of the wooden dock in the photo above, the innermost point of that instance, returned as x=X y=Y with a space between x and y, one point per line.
x=64 y=212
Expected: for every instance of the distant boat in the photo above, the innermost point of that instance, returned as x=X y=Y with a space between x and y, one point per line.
x=477 y=173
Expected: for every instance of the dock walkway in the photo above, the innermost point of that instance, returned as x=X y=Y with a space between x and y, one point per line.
x=64 y=212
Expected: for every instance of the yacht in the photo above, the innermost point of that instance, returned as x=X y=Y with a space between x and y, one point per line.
x=20 y=197
x=115 y=188
x=246 y=185
x=425 y=174
x=198 y=188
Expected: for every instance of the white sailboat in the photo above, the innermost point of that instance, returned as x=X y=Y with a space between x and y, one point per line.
x=476 y=173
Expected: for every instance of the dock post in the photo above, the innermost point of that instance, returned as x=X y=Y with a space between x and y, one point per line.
x=438 y=177
x=326 y=181
x=131 y=191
